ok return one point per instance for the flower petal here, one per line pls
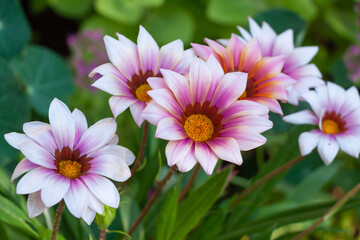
(328, 148)
(349, 144)
(33, 181)
(166, 99)
(41, 133)
(200, 80)
(23, 166)
(76, 198)
(54, 189)
(184, 64)
(80, 124)
(113, 85)
(227, 149)
(243, 108)
(153, 113)
(36, 154)
(177, 150)
(148, 51)
(88, 216)
(206, 157)
(188, 162)
(255, 122)
(136, 111)
(246, 137)
(123, 154)
(62, 124)
(119, 104)
(308, 141)
(35, 205)
(300, 56)
(302, 117)
(94, 203)
(284, 43)
(103, 189)
(171, 54)
(250, 56)
(170, 129)
(16, 139)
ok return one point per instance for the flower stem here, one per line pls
(140, 153)
(269, 176)
(329, 212)
(151, 201)
(102, 234)
(59, 212)
(189, 183)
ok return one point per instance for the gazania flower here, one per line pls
(297, 60)
(202, 118)
(265, 82)
(67, 160)
(131, 65)
(337, 115)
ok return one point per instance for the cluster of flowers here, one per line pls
(210, 101)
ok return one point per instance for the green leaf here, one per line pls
(14, 28)
(195, 206)
(14, 216)
(164, 25)
(307, 9)
(167, 216)
(150, 3)
(341, 22)
(339, 74)
(122, 11)
(45, 75)
(71, 8)
(3, 233)
(286, 217)
(14, 111)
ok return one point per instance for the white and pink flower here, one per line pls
(202, 118)
(67, 160)
(336, 112)
(296, 64)
(131, 65)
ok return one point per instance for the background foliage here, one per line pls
(34, 69)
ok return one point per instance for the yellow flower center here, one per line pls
(330, 127)
(70, 169)
(199, 127)
(244, 95)
(141, 92)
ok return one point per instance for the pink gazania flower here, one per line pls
(337, 115)
(297, 59)
(131, 65)
(265, 82)
(202, 118)
(67, 160)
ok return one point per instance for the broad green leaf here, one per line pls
(195, 206)
(167, 216)
(3, 233)
(122, 11)
(230, 12)
(14, 216)
(129, 211)
(314, 182)
(307, 9)
(150, 3)
(45, 75)
(14, 111)
(286, 217)
(71, 8)
(342, 23)
(339, 74)
(14, 28)
(165, 25)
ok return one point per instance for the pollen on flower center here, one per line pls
(70, 169)
(243, 95)
(330, 127)
(199, 127)
(141, 92)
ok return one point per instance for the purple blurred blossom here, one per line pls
(352, 62)
(87, 52)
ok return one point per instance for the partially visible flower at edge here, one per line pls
(336, 112)
(352, 62)
(296, 64)
(67, 160)
(131, 65)
(202, 118)
(87, 52)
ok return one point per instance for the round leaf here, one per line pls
(45, 75)
(14, 28)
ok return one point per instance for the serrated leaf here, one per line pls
(71, 8)
(195, 206)
(14, 28)
(167, 216)
(14, 111)
(45, 75)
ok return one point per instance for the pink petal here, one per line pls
(284, 43)
(304, 71)
(243, 108)
(255, 122)
(266, 39)
(300, 56)
(16, 139)
(200, 80)
(184, 64)
(336, 96)
(271, 103)
(177, 150)
(206, 157)
(122, 153)
(76, 198)
(349, 144)
(123, 57)
(127, 43)
(36, 154)
(179, 85)
(302, 117)
(136, 111)
(308, 141)
(235, 47)
(250, 56)
(62, 124)
(352, 100)
(23, 166)
(33, 181)
(54, 189)
(113, 85)
(170, 129)
(148, 51)
(202, 51)
(312, 98)
(88, 216)
(119, 104)
(103, 189)
(328, 148)
(227, 149)
(35, 205)
(156, 83)
(105, 69)
(171, 54)
(96, 136)
(230, 88)
(246, 137)
(41, 133)
(166, 99)
(80, 124)
(153, 113)
(186, 163)
(267, 68)
(225, 55)
(217, 73)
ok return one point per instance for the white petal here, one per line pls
(94, 203)
(36, 154)
(119, 104)
(170, 129)
(148, 51)
(16, 139)
(88, 216)
(35, 205)
(23, 166)
(284, 43)
(33, 181)
(76, 198)
(175, 151)
(302, 117)
(206, 157)
(308, 141)
(136, 111)
(80, 124)
(122, 153)
(349, 144)
(41, 133)
(328, 148)
(227, 149)
(54, 189)
(171, 54)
